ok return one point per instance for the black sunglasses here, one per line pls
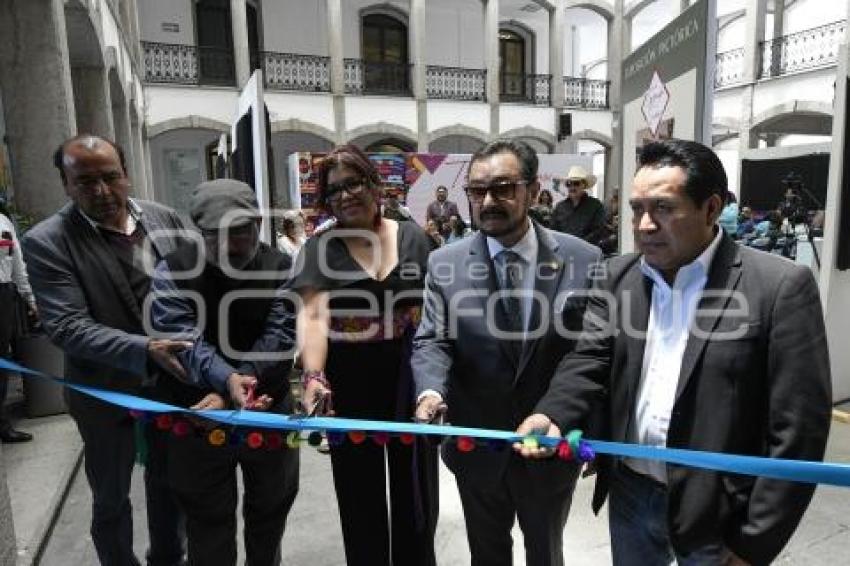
(501, 190)
(353, 186)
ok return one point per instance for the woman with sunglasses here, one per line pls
(361, 284)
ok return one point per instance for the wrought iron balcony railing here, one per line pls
(367, 77)
(729, 68)
(455, 83)
(290, 71)
(188, 64)
(585, 93)
(525, 88)
(170, 63)
(809, 49)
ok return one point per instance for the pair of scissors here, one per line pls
(321, 406)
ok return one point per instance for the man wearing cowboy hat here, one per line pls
(580, 214)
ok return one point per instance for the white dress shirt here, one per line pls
(526, 249)
(12, 266)
(670, 317)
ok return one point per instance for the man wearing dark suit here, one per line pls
(441, 209)
(89, 267)
(490, 375)
(702, 344)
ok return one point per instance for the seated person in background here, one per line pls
(221, 365)
(291, 240)
(434, 230)
(767, 232)
(729, 215)
(457, 229)
(746, 222)
(542, 211)
(394, 210)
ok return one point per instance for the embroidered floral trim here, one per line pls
(390, 326)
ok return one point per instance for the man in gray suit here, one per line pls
(714, 347)
(90, 266)
(498, 312)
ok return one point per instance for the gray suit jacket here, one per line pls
(481, 381)
(762, 390)
(86, 304)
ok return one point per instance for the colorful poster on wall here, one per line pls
(414, 177)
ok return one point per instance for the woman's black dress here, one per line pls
(368, 367)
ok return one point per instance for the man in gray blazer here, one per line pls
(90, 266)
(697, 343)
(499, 308)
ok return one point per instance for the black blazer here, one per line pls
(484, 385)
(765, 390)
(86, 304)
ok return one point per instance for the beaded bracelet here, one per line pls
(317, 375)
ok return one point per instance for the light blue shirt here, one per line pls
(526, 248)
(670, 317)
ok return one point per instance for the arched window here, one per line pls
(512, 69)
(384, 54)
(215, 41)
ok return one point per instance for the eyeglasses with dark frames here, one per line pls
(89, 184)
(500, 190)
(354, 186)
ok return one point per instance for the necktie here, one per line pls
(511, 281)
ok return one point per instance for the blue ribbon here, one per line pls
(776, 468)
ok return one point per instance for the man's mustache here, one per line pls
(493, 212)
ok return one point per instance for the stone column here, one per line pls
(121, 121)
(35, 79)
(778, 31)
(91, 101)
(778, 18)
(756, 11)
(491, 60)
(420, 69)
(241, 50)
(148, 159)
(556, 54)
(140, 177)
(626, 35)
(335, 50)
(617, 50)
(136, 44)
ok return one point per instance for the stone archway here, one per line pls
(456, 139)
(368, 135)
(541, 140)
(795, 117)
(599, 6)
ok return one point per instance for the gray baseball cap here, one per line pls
(216, 200)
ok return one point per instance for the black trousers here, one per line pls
(490, 512)
(109, 450)
(204, 479)
(378, 530)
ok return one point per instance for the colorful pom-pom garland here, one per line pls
(571, 447)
